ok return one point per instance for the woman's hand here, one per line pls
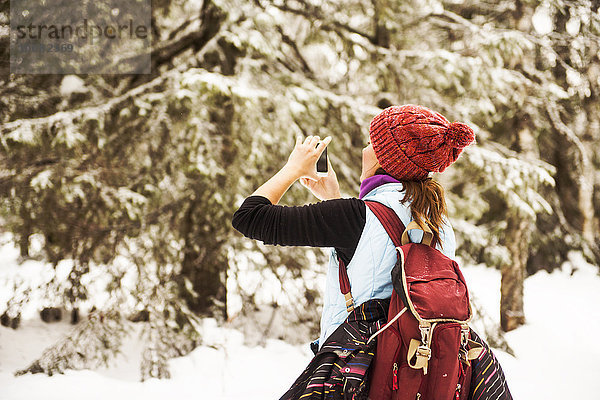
(302, 165)
(303, 159)
(324, 188)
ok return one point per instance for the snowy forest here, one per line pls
(123, 186)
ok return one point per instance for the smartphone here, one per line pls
(322, 164)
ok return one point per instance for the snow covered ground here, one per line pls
(557, 352)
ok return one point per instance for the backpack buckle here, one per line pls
(464, 335)
(425, 331)
(471, 351)
(463, 357)
(349, 302)
(424, 351)
(418, 355)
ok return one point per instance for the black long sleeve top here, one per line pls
(332, 223)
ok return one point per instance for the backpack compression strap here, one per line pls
(394, 228)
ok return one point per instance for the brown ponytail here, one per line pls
(427, 202)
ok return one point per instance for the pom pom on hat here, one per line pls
(410, 141)
(459, 135)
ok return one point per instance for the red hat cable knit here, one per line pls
(411, 141)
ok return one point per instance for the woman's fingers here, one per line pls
(308, 140)
(312, 142)
(322, 144)
(321, 147)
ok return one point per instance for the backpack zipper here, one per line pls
(396, 354)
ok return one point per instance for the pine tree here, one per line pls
(150, 168)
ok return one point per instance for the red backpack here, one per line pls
(424, 349)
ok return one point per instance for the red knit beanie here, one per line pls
(411, 141)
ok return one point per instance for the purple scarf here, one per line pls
(374, 181)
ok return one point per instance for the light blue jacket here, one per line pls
(370, 269)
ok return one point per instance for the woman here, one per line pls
(407, 144)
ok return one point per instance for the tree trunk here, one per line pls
(513, 274)
(204, 267)
(518, 227)
(207, 276)
(575, 174)
(204, 262)
(382, 35)
(574, 178)
(25, 232)
(24, 246)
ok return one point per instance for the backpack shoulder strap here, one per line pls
(391, 222)
(394, 228)
(389, 219)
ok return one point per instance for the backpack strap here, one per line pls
(390, 221)
(394, 228)
(345, 285)
(427, 233)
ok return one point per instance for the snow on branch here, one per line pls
(514, 178)
(21, 130)
(91, 344)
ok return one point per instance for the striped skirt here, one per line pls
(339, 369)
(487, 379)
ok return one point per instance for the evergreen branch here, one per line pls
(194, 36)
(109, 105)
(495, 337)
(312, 13)
(211, 19)
(290, 42)
(151, 218)
(567, 133)
(459, 22)
(182, 27)
(91, 344)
